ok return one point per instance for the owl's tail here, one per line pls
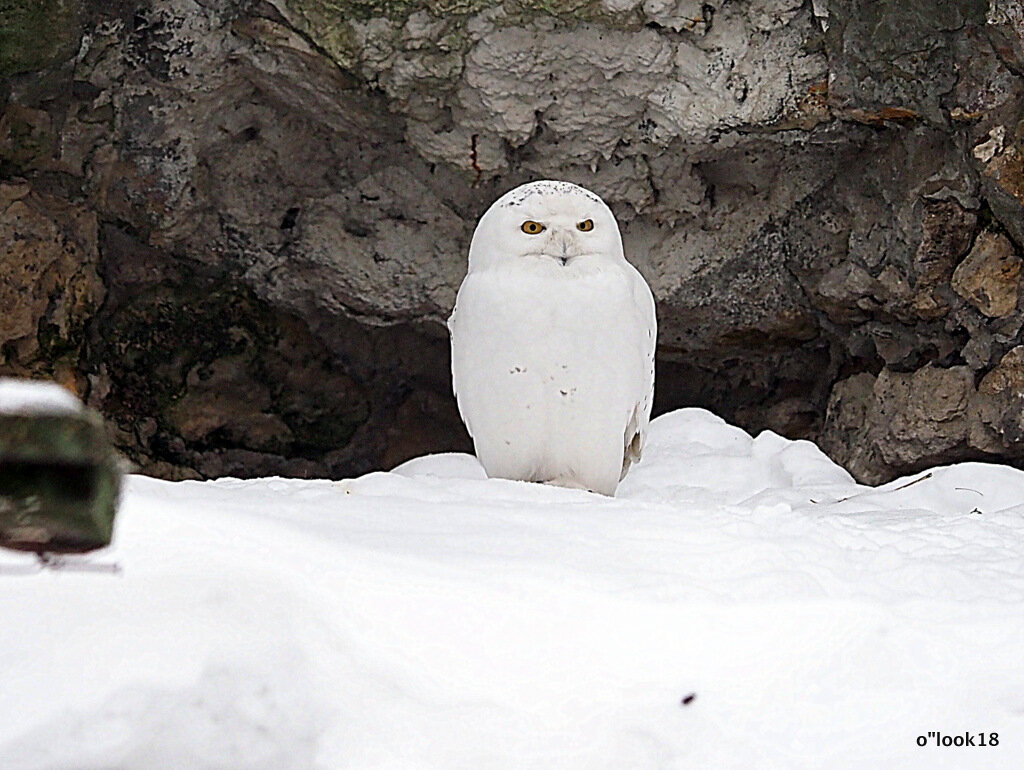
(633, 443)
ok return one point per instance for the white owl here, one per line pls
(553, 337)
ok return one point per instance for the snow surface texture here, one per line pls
(431, 618)
(35, 397)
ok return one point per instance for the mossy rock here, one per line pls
(329, 22)
(182, 347)
(35, 34)
(59, 482)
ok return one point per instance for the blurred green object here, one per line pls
(59, 482)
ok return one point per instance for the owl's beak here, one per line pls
(564, 248)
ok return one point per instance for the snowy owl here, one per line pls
(553, 337)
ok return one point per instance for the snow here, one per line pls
(432, 618)
(19, 396)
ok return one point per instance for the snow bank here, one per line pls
(35, 397)
(432, 618)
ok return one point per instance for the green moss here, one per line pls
(59, 482)
(339, 43)
(325, 430)
(55, 343)
(29, 141)
(171, 330)
(167, 331)
(56, 348)
(37, 33)
(329, 22)
(572, 12)
(583, 10)
(339, 11)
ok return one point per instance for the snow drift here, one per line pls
(432, 618)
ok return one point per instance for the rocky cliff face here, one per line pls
(236, 227)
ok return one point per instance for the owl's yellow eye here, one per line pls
(586, 225)
(532, 228)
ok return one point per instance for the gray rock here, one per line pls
(899, 421)
(267, 206)
(902, 422)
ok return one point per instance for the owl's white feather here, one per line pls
(553, 337)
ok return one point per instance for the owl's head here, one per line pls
(546, 220)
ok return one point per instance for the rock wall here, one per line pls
(236, 226)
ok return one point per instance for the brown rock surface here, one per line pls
(49, 288)
(1007, 377)
(989, 278)
(899, 421)
(1003, 178)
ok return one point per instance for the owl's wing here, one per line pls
(453, 324)
(647, 339)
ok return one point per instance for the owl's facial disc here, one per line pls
(546, 220)
(561, 236)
